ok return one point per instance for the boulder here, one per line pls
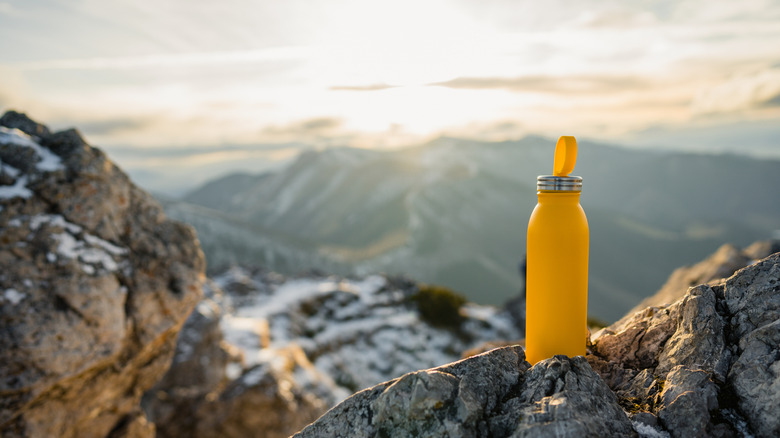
(706, 365)
(494, 394)
(95, 284)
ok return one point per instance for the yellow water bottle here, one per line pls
(557, 263)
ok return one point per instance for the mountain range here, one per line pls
(455, 212)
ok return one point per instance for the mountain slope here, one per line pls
(455, 212)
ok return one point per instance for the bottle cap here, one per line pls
(565, 155)
(563, 164)
(559, 183)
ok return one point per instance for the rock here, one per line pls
(687, 399)
(360, 331)
(197, 372)
(305, 344)
(265, 400)
(699, 339)
(95, 284)
(214, 390)
(494, 394)
(20, 121)
(707, 364)
(722, 264)
(752, 301)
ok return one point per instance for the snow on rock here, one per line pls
(47, 160)
(291, 348)
(359, 331)
(93, 254)
(95, 284)
(12, 296)
(16, 180)
(647, 431)
(17, 190)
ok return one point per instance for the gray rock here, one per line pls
(494, 394)
(706, 365)
(753, 301)
(686, 402)
(19, 157)
(64, 143)
(567, 399)
(95, 284)
(720, 265)
(20, 121)
(699, 340)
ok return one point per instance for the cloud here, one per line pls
(167, 60)
(372, 87)
(743, 92)
(112, 126)
(581, 84)
(616, 18)
(500, 130)
(7, 9)
(303, 130)
(756, 137)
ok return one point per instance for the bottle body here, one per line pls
(557, 277)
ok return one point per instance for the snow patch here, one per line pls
(106, 246)
(13, 296)
(647, 431)
(47, 160)
(18, 190)
(93, 253)
(358, 331)
(90, 257)
(9, 170)
(15, 222)
(254, 376)
(53, 220)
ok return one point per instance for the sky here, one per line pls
(179, 91)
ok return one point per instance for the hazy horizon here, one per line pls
(152, 171)
(256, 82)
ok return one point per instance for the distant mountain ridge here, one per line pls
(455, 212)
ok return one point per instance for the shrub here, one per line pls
(439, 305)
(595, 322)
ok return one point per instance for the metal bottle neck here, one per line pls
(551, 183)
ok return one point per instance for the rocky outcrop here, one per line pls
(495, 394)
(198, 398)
(95, 284)
(297, 346)
(706, 365)
(712, 270)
